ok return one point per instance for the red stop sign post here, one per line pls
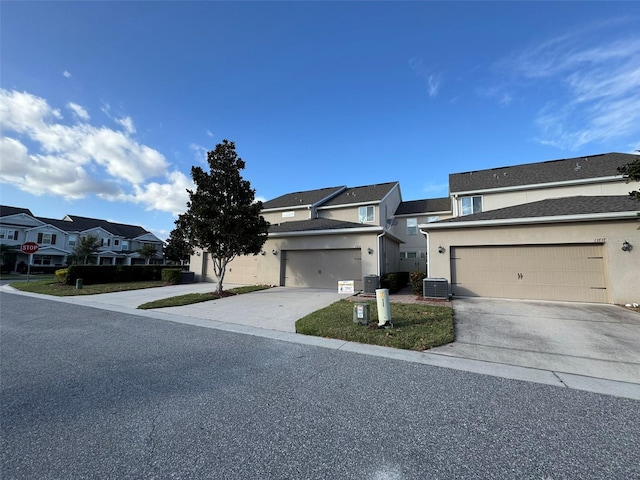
(29, 248)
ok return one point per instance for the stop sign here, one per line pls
(29, 247)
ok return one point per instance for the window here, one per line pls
(366, 214)
(73, 238)
(9, 234)
(288, 214)
(412, 226)
(116, 242)
(433, 219)
(471, 205)
(125, 244)
(47, 239)
(408, 255)
(42, 259)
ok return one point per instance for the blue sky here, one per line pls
(105, 106)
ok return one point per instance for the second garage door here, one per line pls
(321, 268)
(543, 272)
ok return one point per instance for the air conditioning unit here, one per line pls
(371, 283)
(435, 288)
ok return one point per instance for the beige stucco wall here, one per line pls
(276, 217)
(269, 265)
(623, 279)
(495, 200)
(349, 214)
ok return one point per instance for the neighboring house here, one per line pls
(408, 216)
(57, 238)
(550, 231)
(319, 237)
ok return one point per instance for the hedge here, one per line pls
(93, 274)
(171, 276)
(416, 282)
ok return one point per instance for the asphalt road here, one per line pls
(89, 393)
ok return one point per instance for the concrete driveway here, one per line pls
(592, 340)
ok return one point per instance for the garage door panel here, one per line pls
(545, 272)
(322, 268)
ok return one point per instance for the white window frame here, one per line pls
(364, 216)
(471, 207)
(434, 218)
(73, 238)
(412, 226)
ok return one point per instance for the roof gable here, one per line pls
(364, 194)
(565, 170)
(301, 199)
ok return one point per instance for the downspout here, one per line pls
(426, 234)
(378, 238)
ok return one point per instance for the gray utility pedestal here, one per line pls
(361, 313)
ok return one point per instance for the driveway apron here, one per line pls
(593, 340)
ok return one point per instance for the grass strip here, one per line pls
(50, 286)
(191, 298)
(415, 327)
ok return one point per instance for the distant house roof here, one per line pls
(6, 211)
(301, 199)
(578, 168)
(74, 223)
(429, 205)
(554, 207)
(317, 224)
(364, 194)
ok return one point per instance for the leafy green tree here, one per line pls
(85, 248)
(177, 249)
(8, 256)
(148, 252)
(631, 171)
(222, 215)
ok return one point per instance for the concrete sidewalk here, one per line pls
(272, 314)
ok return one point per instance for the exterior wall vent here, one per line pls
(435, 288)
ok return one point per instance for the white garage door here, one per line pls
(543, 272)
(321, 268)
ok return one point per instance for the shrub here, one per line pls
(394, 281)
(416, 282)
(171, 276)
(61, 275)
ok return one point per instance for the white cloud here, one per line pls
(591, 81)
(127, 123)
(78, 111)
(66, 74)
(74, 161)
(433, 80)
(199, 153)
(209, 133)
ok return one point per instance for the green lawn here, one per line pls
(415, 327)
(190, 298)
(48, 285)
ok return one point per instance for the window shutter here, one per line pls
(40, 238)
(53, 239)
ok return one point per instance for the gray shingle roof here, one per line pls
(6, 211)
(427, 205)
(578, 168)
(552, 207)
(314, 224)
(301, 199)
(80, 224)
(367, 193)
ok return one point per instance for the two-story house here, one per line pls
(319, 237)
(557, 230)
(119, 243)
